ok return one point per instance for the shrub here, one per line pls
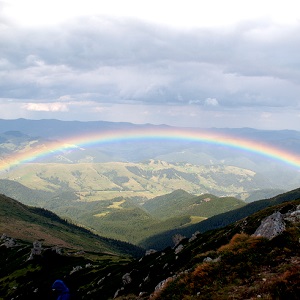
(241, 243)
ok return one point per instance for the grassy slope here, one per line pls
(122, 219)
(29, 224)
(128, 222)
(181, 203)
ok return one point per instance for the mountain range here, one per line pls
(138, 189)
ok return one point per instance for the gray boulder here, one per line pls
(271, 226)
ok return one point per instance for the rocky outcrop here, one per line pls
(271, 226)
(293, 216)
(150, 251)
(178, 249)
(7, 241)
(275, 224)
(126, 279)
(36, 250)
(177, 238)
(194, 236)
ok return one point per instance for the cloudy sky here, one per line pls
(187, 63)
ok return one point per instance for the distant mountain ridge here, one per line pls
(52, 128)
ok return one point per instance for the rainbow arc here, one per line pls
(167, 134)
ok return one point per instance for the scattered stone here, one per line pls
(57, 250)
(179, 249)
(118, 292)
(271, 226)
(9, 243)
(101, 280)
(177, 238)
(126, 279)
(217, 259)
(194, 236)
(150, 251)
(75, 269)
(207, 259)
(294, 216)
(3, 236)
(36, 250)
(162, 284)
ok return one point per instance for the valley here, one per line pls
(131, 190)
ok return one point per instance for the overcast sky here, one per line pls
(186, 63)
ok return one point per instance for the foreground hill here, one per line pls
(239, 261)
(30, 224)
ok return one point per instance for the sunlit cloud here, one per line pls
(53, 107)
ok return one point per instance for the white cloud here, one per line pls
(211, 102)
(49, 107)
(191, 13)
(64, 98)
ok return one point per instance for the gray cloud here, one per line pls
(117, 61)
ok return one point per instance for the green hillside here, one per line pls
(119, 219)
(30, 224)
(125, 219)
(181, 203)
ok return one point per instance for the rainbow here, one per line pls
(167, 134)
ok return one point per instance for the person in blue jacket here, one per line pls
(61, 289)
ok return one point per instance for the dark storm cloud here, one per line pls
(121, 61)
